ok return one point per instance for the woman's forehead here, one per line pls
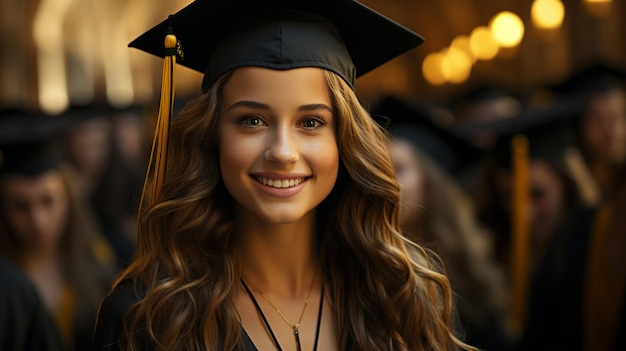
(266, 87)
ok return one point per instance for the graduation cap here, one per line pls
(343, 36)
(28, 142)
(418, 125)
(550, 127)
(550, 130)
(597, 77)
(216, 36)
(486, 102)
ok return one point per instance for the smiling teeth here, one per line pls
(280, 183)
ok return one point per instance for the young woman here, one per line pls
(276, 225)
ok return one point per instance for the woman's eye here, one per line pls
(313, 123)
(251, 122)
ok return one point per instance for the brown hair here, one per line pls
(186, 267)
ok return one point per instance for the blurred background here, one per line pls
(508, 133)
(67, 52)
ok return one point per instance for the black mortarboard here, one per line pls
(417, 124)
(343, 36)
(597, 77)
(28, 142)
(486, 101)
(549, 130)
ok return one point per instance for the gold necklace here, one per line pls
(294, 327)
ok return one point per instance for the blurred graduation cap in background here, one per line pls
(419, 124)
(29, 141)
(549, 130)
(599, 76)
(550, 134)
(485, 102)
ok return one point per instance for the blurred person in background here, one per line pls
(484, 103)
(45, 228)
(540, 187)
(105, 147)
(25, 324)
(603, 302)
(559, 181)
(438, 214)
(580, 303)
(601, 126)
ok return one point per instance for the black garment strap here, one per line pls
(319, 319)
(267, 324)
(258, 309)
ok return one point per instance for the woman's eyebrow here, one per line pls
(312, 107)
(262, 106)
(250, 104)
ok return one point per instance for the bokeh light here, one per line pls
(547, 14)
(599, 8)
(431, 69)
(462, 42)
(456, 65)
(483, 44)
(507, 28)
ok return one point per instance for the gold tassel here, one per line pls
(158, 155)
(520, 243)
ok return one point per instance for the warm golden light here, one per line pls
(483, 44)
(48, 36)
(431, 69)
(456, 65)
(507, 28)
(462, 42)
(599, 8)
(547, 14)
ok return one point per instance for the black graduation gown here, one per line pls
(110, 319)
(24, 323)
(555, 311)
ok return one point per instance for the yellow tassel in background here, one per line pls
(520, 243)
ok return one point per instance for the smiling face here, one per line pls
(278, 150)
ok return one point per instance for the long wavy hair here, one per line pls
(386, 293)
(447, 224)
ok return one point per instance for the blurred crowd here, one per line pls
(521, 195)
(69, 192)
(518, 193)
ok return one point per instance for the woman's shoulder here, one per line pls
(111, 315)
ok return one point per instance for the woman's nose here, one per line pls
(282, 146)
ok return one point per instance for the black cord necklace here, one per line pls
(295, 327)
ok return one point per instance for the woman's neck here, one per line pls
(279, 258)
